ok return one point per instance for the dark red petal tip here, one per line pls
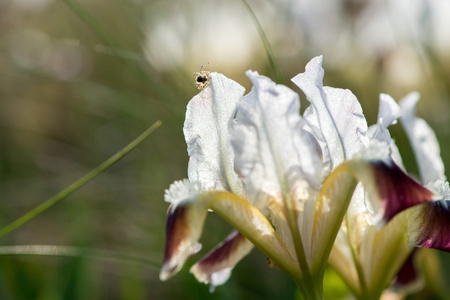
(222, 251)
(433, 225)
(397, 190)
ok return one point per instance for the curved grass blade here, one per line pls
(79, 183)
(273, 63)
(68, 251)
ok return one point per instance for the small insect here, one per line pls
(202, 78)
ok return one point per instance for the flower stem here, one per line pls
(312, 290)
(79, 183)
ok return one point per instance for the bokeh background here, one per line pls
(80, 79)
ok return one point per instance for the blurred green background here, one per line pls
(80, 80)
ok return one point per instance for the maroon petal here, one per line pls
(215, 267)
(429, 225)
(185, 221)
(397, 190)
(181, 238)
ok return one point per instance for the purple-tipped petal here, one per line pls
(398, 191)
(215, 267)
(429, 226)
(181, 240)
(186, 219)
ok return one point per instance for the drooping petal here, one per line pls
(381, 252)
(398, 191)
(423, 141)
(207, 131)
(429, 225)
(185, 222)
(216, 266)
(387, 185)
(335, 117)
(183, 227)
(273, 154)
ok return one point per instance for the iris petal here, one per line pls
(429, 226)
(273, 153)
(185, 223)
(423, 141)
(207, 131)
(215, 267)
(398, 191)
(335, 117)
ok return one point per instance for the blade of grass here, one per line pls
(68, 251)
(273, 63)
(79, 183)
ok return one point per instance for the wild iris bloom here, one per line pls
(282, 180)
(378, 236)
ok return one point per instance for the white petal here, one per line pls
(388, 113)
(423, 140)
(335, 116)
(273, 154)
(207, 131)
(219, 278)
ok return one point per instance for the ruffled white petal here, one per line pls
(335, 117)
(388, 113)
(207, 131)
(274, 155)
(423, 141)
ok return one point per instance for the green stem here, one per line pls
(79, 183)
(269, 52)
(311, 291)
